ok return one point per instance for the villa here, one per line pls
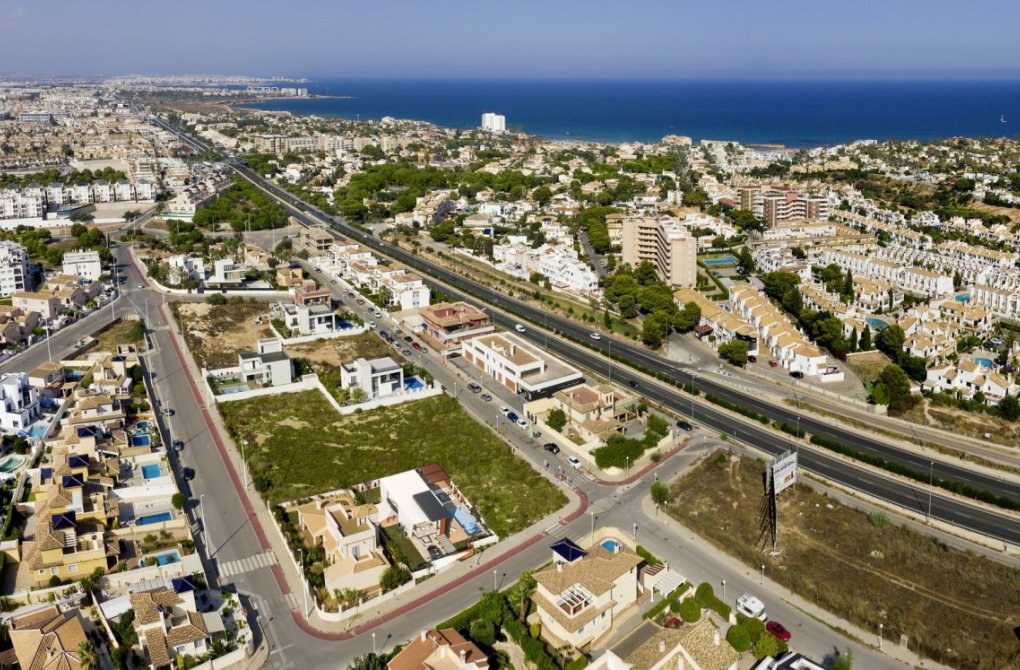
(349, 535)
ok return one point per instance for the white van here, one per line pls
(751, 606)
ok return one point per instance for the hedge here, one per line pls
(649, 557)
(705, 595)
(666, 601)
(739, 638)
(749, 413)
(690, 610)
(961, 488)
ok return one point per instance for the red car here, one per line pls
(778, 630)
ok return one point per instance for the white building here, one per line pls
(20, 402)
(226, 271)
(267, 365)
(494, 123)
(519, 367)
(84, 264)
(184, 267)
(664, 242)
(377, 376)
(13, 268)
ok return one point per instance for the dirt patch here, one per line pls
(867, 365)
(122, 332)
(216, 333)
(955, 607)
(332, 352)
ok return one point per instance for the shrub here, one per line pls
(394, 577)
(705, 595)
(578, 663)
(216, 299)
(738, 638)
(649, 557)
(619, 452)
(878, 519)
(768, 645)
(755, 627)
(690, 610)
(483, 632)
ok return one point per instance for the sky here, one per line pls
(655, 39)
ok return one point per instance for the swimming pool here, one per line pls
(151, 471)
(140, 440)
(610, 545)
(232, 388)
(981, 360)
(143, 425)
(38, 430)
(11, 464)
(149, 519)
(720, 261)
(963, 297)
(167, 557)
(413, 384)
(876, 323)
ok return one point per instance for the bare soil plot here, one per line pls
(216, 333)
(332, 352)
(955, 607)
(867, 365)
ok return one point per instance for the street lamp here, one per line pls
(49, 353)
(694, 377)
(635, 533)
(880, 636)
(373, 643)
(762, 581)
(592, 514)
(495, 583)
(724, 590)
(304, 584)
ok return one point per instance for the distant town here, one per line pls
(300, 391)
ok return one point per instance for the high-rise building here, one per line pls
(13, 268)
(667, 244)
(494, 123)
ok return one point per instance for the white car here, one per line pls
(371, 325)
(504, 409)
(520, 329)
(595, 336)
(574, 461)
(751, 606)
(141, 286)
(522, 424)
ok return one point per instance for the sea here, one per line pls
(789, 113)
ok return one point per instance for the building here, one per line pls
(84, 264)
(316, 240)
(446, 326)
(13, 268)
(19, 402)
(349, 536)
(652, 647)
(666, 244)
(377, 377)
(307, 293)
(493, 123)
(184, 268)
(436, 649)
(310, 320)
(169, 625)
(226, 272)
(268, 365)
(579, 598)
(519, 367)
(48, 638)
(48, 305)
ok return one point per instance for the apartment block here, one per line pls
(519, 367)
(13, 268)
(665, 243)
(84, 264)
(446, 326)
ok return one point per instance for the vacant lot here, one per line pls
(332, 352)
(121, 332)
(216, 333)
(297, 446)
(955, 607)
(868, 365)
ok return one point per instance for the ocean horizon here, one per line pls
(790, 113)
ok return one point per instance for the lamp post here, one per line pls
(724, 590)
(49, 353)
(609, 342)
(592, 514)
(244, 461)
(634, 536)
(762, 581)
(627, 461)
(931, 483)
(694, 377)
(880, 636)
(304, 587)
(495, 583)
(373, 643)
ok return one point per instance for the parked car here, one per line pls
(188, 474)
(361, 301)
(633, 384)
(522, 424)
(520, 329)
(773, 363)
(424, 349)
(751, 606)
(141, 286)
(416, 346)
(574, 461)
(474, 387)
(434, 552)
(179, 445)
(796, 374)
(486, 397)
(551, 448)
(512, 417)
(408, 339)
(371, 325)
(595, 336)
(383, 334)
(684, 425)
(778, 630)
(407, 352)
(505, 410)
(395, 344)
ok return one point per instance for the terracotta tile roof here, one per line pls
(419, 650)
(596, 572)
(155, 642)
(51, 643)
(192, 631)
(146, 604)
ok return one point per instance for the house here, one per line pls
(594, 413)
(227, 273)
(47, 304)
(289, 275)
(310, 320)
(578, 600)
(169, 625)
(652, 647)
(348, 534)
(84, 264)
(308, 293)
(967, 377)
(436, 649)
(518, 366)
(183, 268)
(446, 326)
(378, 377)
(267, 365)
(19, 402)
(48, 638)
(408, 498)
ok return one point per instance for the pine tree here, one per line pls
(853, 339)
(865, 343)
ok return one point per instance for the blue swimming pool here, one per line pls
(610, 545)
(981, 360)
(153, 518)
(140, 440)
(38, 430)
(413, 384)
(151, 471)
(143, 425)
(167, 557)
(876, 323)
(720, 261)
(232, 388)
(75, 375)
(963, 297)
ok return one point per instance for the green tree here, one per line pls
(542, 195)
(645, 273)
(865, 343)
(556, 419)
(393, 577)
(628, 306)
(653, 329)
(739, 638)
(690, 610)
(520, 593)
(777, 283)
(848, 287)
(793, 301)
(734, 352)
(768, 645)
(853, 339)
(347, 597)
(483, 632)
(368, 662)
(843, 661)
(894, 386)
(687, 318)
(179, 500)
(890, 341)
(1009, 408)
(88, 656)
(660, 493)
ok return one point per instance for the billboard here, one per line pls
(784, 471)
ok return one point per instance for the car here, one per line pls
(778, 630)
(474, 387)
(395, 344)
(551, 448)
(408, 339)
(684, 425)
(385, 335)
(371, 325)
(486, 397)
(424, 349)
(332, 281)
(522, 424)
(595, 336)
(376, 313)
(188, 474)
(797, 374)
(361, 301)
(574, 461)
(434, 552)
(633, 384)
(179, 445)
(512, 417)
(141, 286)
(520, 329)
(407, 352)
(416, 346)
(504, 409)
(995, 341)
(350, 294)
(751, 606)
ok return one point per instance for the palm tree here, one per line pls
(88, 657)
(348, 597)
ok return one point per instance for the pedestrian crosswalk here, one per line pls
(247, 564)
(291, 601)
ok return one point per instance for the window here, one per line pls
(55, 570)
(72, 568)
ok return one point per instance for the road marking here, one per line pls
(291, 601)
(247, 564)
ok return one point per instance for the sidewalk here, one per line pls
(776, 590)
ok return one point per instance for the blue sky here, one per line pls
(741, 39)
